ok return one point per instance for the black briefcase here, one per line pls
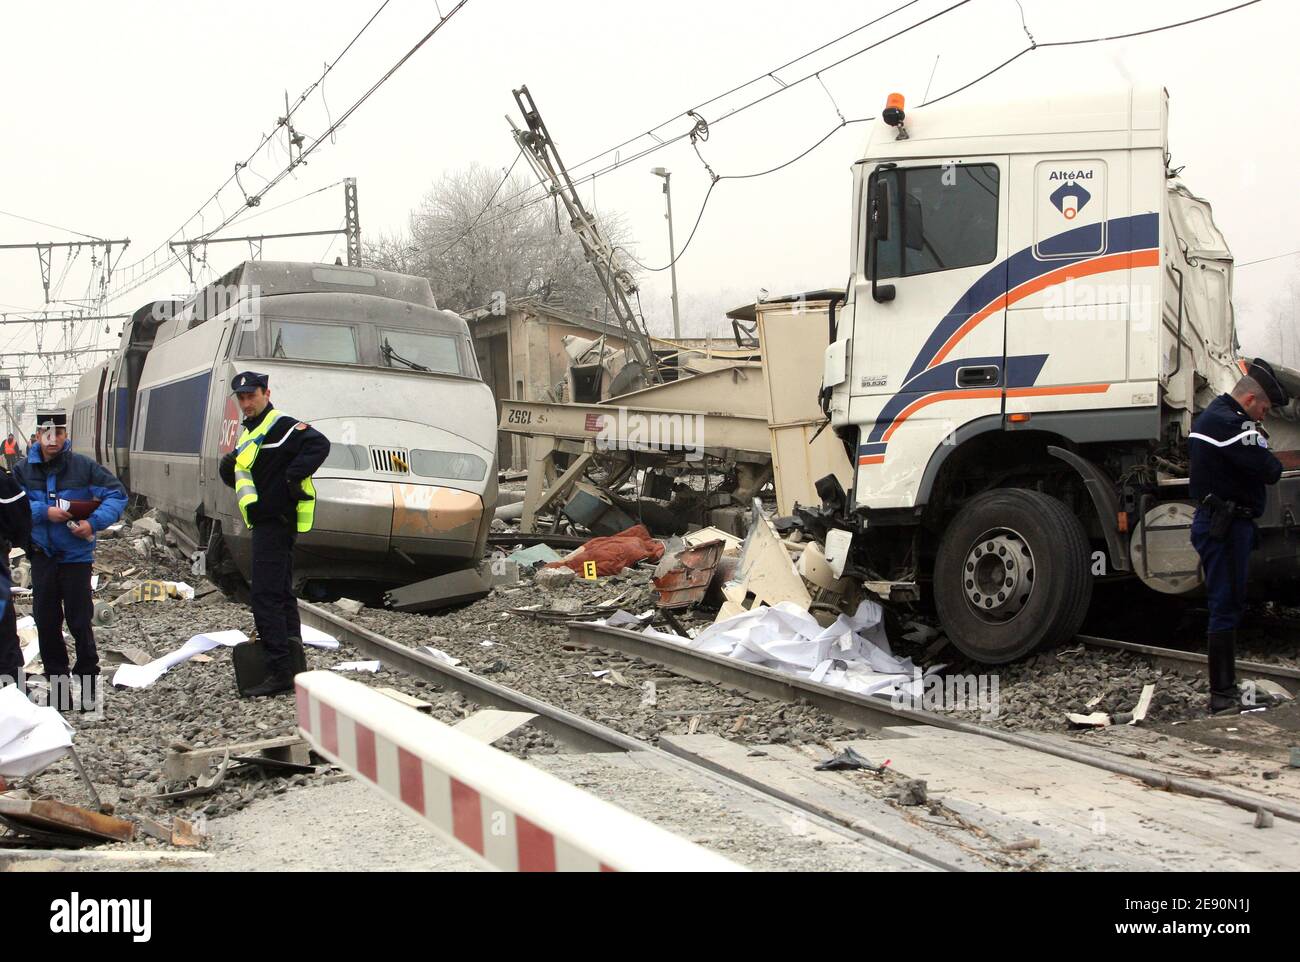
(250, 663)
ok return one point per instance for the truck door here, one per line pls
(1078, 261)
(928, 354)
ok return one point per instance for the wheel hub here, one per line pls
(998, 576)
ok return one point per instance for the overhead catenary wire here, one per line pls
(164, 251)
(660, 144)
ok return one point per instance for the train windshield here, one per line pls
(420, 352)
(361, 340)
(299, 341)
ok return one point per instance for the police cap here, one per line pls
(247, 381)
(51, 418)
(1261, 372)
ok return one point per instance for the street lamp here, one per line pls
(672, 252)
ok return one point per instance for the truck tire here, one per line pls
(1012, 573)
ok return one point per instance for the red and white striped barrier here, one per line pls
(489, 804)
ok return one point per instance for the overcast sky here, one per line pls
(119, 119)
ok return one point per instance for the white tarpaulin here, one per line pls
(142, 676)
(853, 653)
(31, 736)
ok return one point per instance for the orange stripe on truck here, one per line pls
(1098, 265)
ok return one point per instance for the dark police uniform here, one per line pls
(62, 562)
(270, 470)
(1230, 467)
(15, 531)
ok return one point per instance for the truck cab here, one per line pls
(1037, 309)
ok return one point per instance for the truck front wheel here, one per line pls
(1011, 574)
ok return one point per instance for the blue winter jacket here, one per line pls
(74, 477)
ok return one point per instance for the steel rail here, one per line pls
(581, 733)
(1288, 678)
(856, 709)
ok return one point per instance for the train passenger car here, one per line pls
(367, 358)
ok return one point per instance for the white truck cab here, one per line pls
(1037, 310)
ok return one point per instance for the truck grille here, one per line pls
(390, 460)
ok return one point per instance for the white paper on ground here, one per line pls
(318, 639)
(31, 737)
(94, 582)
(853, 653)
(28, 640)
(370, 666)
(442, 656)
(142, 676)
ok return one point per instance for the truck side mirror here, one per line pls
(880, 230)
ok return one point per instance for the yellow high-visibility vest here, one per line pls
(251, 442)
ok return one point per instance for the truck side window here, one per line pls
(942, 218)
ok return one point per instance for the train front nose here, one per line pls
(424, 521)
(382, 507)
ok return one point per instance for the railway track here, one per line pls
(877, 712)
(586, 735)
(1288, 678)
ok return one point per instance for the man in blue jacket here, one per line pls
(1230, 467)
(63, 552)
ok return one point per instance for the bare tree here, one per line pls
(468, 236)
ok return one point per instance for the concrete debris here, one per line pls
(537, 554)
(1263, 818)
(553, 578)
(500, 571)
(911, 791)
(1021, 845)
(149, 528)
(350, 605)
(1098, 719)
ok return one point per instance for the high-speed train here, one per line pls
(363, 355)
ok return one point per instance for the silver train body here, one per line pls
(367, 358)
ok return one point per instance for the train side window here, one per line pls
(245, 341)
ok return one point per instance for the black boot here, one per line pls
(1224, 696)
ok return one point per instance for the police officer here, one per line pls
(270, 470)
(1230, 466)
(15, 531)
(63, 552)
